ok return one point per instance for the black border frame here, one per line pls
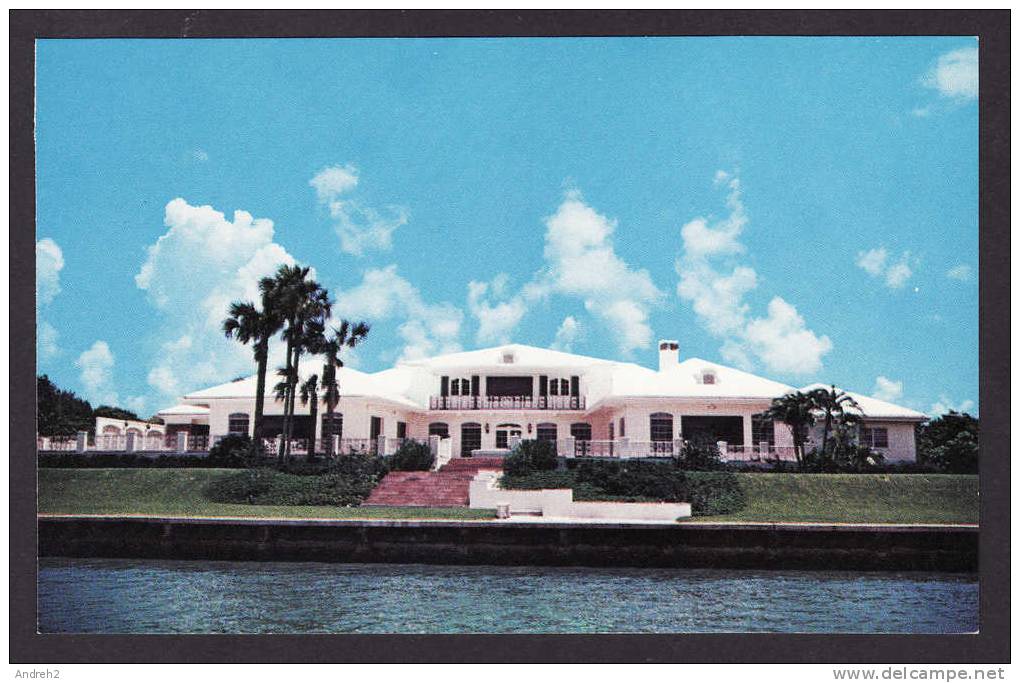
(990, 645)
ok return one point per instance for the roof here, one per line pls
(686, 380)
(525, 357)
(873, 407)
(352, 383)
(184, 409)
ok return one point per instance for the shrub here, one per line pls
(530, 455)
(233, 450)
(412, 456)
(635, 478)
(715, 493)
(699, 453)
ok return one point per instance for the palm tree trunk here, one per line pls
(825, 433)
(330, 380)
(314, 410)
(293, 396)
(283, 444)
(261, 358)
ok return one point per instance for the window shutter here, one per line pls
(543, 385)
(444, 386)
(474, 385)
(575, 386)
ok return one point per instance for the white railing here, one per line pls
(756, 453)
(56, 443)
(507, 403)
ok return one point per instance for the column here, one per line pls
(182, 442)
(83, 442)
(748, 438)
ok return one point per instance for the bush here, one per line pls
(715, 493)
(699, 454)
(635, 479)
(412, 456)
(233, 450)
(347, 482)
(530, 455)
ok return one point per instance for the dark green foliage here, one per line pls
(412, 456)
(699, 453)
(347, 482)
(530, 455)
(115, 413)
(950, 442)
(709, 493)
(61, 413)
(233, 450)
(70, 460)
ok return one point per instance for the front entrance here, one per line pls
(470, 438)
(714, 428)
(504, 432)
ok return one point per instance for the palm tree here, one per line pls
(310, 392)
(834, 403)
(302, 304)
(247, 324)
(346, 335)
(797, 410)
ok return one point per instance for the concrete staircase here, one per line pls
(447, 487)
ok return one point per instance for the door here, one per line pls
(504, 432)
(470, 438)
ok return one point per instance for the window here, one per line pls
(581, 431)
(470, 438)
(708, 377)
(504, 432)
(661, 426)
(440, 429)
(875, 437)
(333, 425)
(401, 430)
(237, 423)
(460, 387)
(623, 428)
(554, 387)
(546, 432)
(507, 357)
(762, 430)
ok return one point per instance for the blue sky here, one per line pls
(803, 208)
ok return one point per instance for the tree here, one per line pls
(115, 413)
(797, 410)
(249, 325)
(60, 412)
(950, 442)
(310, 394)
(346, 336)
(303, 305)
(834, 404)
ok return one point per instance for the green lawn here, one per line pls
(178, 492)
(862, 498)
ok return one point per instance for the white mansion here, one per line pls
(486, 400)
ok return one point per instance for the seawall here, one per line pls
(753, 546)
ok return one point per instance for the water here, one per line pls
(158, 596)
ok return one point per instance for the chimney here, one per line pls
(669, 354)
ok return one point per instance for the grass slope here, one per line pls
(862, 498)
(178, 492)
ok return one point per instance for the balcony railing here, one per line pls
(507, 403)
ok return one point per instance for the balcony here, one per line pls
(507, 403)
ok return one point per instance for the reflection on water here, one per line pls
(158, 596)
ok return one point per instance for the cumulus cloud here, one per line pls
(875, 262)
(136, 404)
(945, 404)
(568, 332)
(383, 294)
(715, 284)
(96, 366)
(47, 344)
(955, 74)
(961, 272)
(360, 227)
(191, 274)
(496, 321)
(49, 261)
(887, 389)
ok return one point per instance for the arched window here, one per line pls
(237, 423)
(440, 429)
(504, 432)
(545, 432)
(333, 425)
(470, 438)
(661, 426)
(111, 429)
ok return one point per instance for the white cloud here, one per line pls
(876, 263)
(47, 344)
(961, 272)
(873, 260)
(96, 365)
(569, 332)
(496, 321)
(944, 405)
(581, 261)
(332, 181)
(200, 155)
(191, 274)
(955, 74)
(383, 294)
(360, 228)
(136, 404)
(716, 292)
(887, 389)
(49, 261)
